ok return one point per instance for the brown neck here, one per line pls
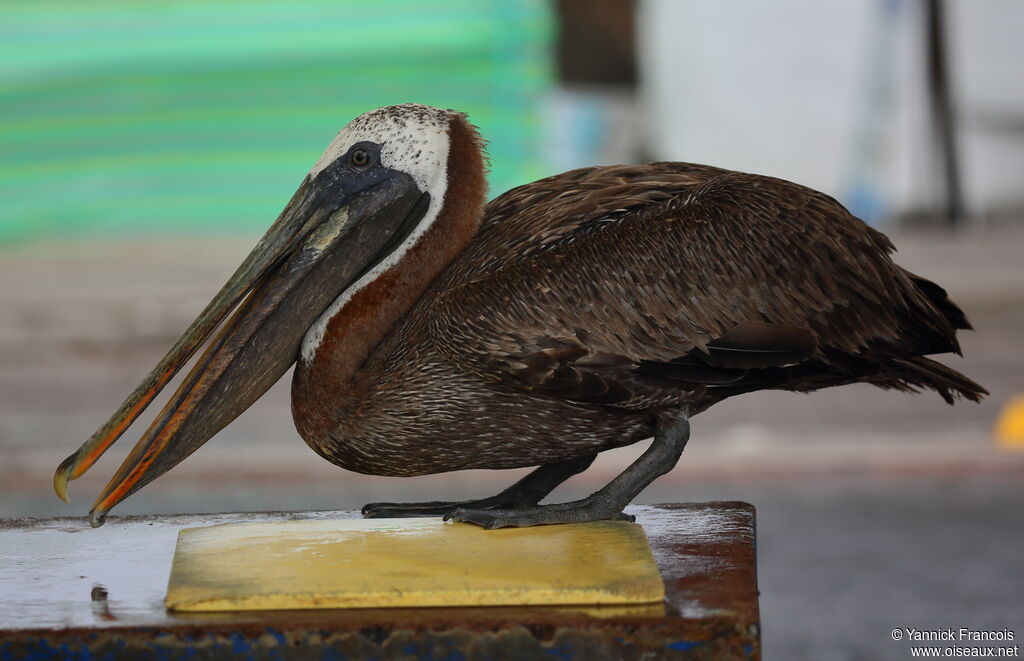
(366, 318)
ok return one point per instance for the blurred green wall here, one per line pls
(167, 117)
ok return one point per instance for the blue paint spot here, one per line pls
(276, 653)
(684, 645)
(562, 652)
(66, 653)
(239, 645)
(41, 651)
(748, 649)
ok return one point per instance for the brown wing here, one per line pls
(644, 286)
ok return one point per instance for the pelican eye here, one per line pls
(360, 157)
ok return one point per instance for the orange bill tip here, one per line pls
(61, 477)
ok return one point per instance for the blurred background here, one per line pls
(145, 146)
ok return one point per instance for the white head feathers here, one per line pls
(414, 139)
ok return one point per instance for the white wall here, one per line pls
(832, 95)
(988, 37)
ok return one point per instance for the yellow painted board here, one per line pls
(379, 563)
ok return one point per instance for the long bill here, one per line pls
(326, 236)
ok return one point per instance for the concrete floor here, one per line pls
(876, 510)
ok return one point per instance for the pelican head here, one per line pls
(378, 184)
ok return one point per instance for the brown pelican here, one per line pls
(582, 312)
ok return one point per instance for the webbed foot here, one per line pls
(526, 492)
(575, 512)
(607, 503)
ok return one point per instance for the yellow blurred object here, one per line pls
(377, 563)
(1009, 431)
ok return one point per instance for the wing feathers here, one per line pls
(638, 286)
(755, 344)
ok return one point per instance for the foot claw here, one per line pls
(486, 519)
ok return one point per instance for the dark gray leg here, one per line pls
(670, 438)
(528, 491)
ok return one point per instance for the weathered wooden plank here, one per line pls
(71, 590)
